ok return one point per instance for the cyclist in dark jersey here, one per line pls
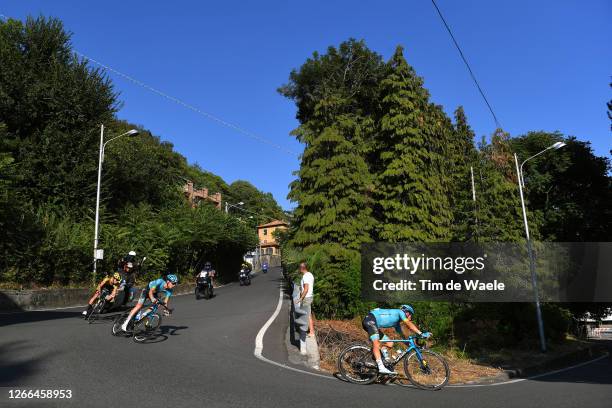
(384, 318)
(152, 292)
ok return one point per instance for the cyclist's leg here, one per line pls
(90, 303)
(141, 300)
(370, 326)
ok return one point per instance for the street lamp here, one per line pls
(534, 281)
(132, 132)
(227, 205)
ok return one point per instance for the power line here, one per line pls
(467, 64)
(189, 106)
(178, 101)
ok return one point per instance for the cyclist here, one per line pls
(109, 282)
(152, 292)
(383, 318)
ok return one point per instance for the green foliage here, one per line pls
(51, 107)
(411, 196)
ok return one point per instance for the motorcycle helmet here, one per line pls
(207, 266)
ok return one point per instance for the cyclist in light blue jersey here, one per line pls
(152, 292)
(385, 318)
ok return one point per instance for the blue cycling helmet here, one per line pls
(172, 278)
(407, 308)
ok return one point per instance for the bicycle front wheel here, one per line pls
(145, 327)
(356, 364)
(430, 372)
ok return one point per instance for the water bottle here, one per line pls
(138, 315)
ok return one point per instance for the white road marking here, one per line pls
(259, 342)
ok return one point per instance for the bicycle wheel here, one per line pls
(429, 373)
(144, 328)
(356, 364)
(95, 311)
(116, 329)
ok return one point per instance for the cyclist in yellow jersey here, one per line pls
(109, 282)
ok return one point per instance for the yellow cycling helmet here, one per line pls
(117, 276)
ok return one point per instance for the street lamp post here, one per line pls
(228, 205)
(534, 281)
(103, 144)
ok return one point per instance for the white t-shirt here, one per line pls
(309, 279)
(203, 274)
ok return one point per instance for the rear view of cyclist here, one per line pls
(109, 282)
(384, 318)
(152, 292)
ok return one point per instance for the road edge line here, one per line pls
(533, 377)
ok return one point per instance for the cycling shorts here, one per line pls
(369, 324)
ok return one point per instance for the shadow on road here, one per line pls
(172, 330)
(28, 317)
(13, 369)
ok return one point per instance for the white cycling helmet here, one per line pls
(133, 253)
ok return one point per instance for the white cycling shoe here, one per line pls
(124, 326)
(384, 371)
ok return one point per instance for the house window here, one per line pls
(265, 231)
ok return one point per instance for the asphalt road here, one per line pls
(205, 358)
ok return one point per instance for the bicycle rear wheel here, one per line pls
(356, 364)
(431, 372)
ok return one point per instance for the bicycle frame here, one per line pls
(410, 341)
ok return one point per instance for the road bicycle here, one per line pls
(423, 368)
(99, 306)
(143, 326)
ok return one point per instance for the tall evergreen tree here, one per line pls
(499, 207)
(464, 159)
(410, 198)
(333, 181)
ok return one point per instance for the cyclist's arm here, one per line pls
(412, 327)
(151, 293)
(102, 284)
(115, 289)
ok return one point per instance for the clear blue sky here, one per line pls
(545, 65)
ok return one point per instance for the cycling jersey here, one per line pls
(389, 317)
(158, 288)
(106, 284)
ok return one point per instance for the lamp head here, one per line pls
(558, 145)
(132, 132)
(241, 203)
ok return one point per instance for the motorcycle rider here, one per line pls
(246, 269)
(127, 267)
(109, 282)
(209, 271)
(264, 267)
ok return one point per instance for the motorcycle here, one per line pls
(244, 278)
(204, 288)
(264, 268)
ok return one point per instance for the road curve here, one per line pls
(205, 358)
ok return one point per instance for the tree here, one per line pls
(464, 160)
(51, 129)
(412, 204)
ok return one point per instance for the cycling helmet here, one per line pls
(407, 309)
(132, 253)
(117, 276)
(172, 278)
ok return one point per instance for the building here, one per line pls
(267, 242)
(195, 196)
